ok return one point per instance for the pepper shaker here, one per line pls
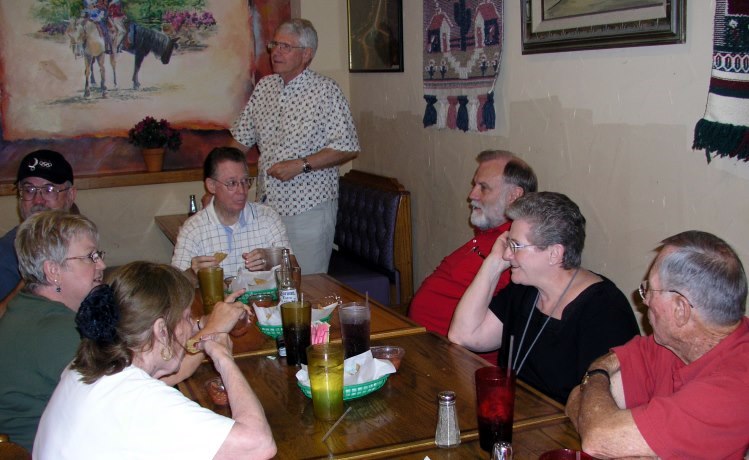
(448, 432)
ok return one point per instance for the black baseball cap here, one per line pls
(46, 164)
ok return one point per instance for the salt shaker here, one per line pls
(502, 451)
(448, 432)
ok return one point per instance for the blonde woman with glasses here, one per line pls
(60, 262)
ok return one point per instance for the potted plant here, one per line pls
(153, 137)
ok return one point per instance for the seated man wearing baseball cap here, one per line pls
(44, 182)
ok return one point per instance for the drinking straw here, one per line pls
(509, 359)
(335, 424)
(366, 299)
(302, 301)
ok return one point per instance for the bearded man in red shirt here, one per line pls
(500, 179)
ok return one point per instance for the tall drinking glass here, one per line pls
(495, 404)
(325, 367)
(211, 282)
(355, 326)
(296, 318)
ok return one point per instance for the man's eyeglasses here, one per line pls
(515, 246)
(49, 192)
(94, 257)
(644, 289)
(282, 47)
(231, 185)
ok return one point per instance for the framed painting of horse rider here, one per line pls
(99, 66)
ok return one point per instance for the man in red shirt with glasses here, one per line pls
(682, 391)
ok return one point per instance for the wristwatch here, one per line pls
(590, 373)
(306, 167)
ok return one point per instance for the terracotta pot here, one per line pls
(154, 159)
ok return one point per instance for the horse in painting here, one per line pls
(87, 41)
(144, 41)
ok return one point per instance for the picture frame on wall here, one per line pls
(550, 26)
(375, 35)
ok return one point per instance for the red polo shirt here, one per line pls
(435, 301)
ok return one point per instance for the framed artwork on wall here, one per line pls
(550, 26)
(375, 36)
(194, 66)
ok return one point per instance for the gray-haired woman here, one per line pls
(59, 260)
(110, 402)
(562, 316)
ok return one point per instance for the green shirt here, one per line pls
(38, 340)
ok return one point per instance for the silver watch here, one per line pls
(306, 167)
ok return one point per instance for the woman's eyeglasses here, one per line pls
(515, 246)
(94, 257)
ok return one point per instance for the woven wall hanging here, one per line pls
(462, 51)
(724, 129)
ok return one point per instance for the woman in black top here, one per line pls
(560, 316)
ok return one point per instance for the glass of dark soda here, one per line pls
(495, 404)
(355, 325)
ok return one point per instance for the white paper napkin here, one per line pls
(254, 281)
(357, 369)
(268, 316)
(319, 313)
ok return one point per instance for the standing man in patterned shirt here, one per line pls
(302, 125)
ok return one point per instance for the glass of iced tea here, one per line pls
(325, 367)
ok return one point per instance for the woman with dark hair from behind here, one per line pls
(110, 402)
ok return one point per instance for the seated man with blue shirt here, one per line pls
(44, 182)
(229, 224)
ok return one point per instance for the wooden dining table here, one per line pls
(399, 419)
(385, 322)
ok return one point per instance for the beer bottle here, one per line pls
(286, 288)
(193, 206)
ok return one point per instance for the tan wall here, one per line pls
(124, 216)
(611, 128)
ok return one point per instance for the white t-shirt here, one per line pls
(127, 416)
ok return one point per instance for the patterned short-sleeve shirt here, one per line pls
(293, 121)
(203, 234)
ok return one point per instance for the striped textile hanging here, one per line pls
(724, 129)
